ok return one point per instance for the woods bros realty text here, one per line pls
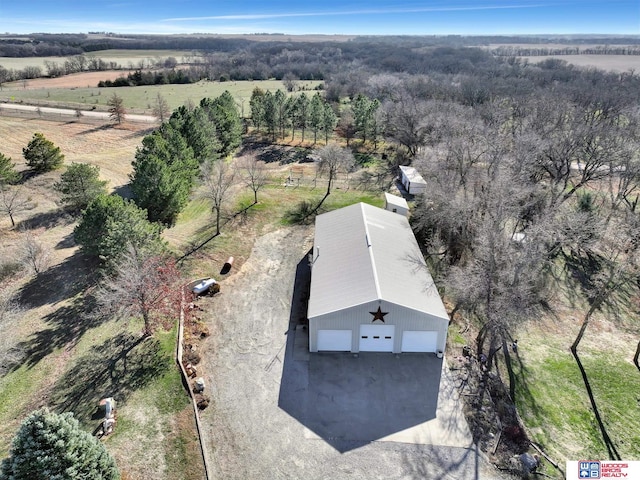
(602, 469)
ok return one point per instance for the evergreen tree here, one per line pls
(80, 185)
(51, 446)
(199, 132)
(280, 103)
(316, 115)
(110, 223)
(329, 121)
(301, 113)
(42, 155)
(223, 112)
(364, 113)
(8, 172)
(290, 108)
(257, 107)
(270, 116)
(163, 174)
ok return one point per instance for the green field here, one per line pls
(141, 99)
(553, 402)
(126, 58)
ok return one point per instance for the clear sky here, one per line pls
(375, 17)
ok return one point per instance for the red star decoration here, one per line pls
(378, 315)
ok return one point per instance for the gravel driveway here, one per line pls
(250, 433)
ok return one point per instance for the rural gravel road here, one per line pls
(249, 434)
(8, 107)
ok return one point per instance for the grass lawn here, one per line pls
(196, 224)
(552, 399)
(141, 99)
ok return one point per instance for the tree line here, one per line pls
(526, 51)
(43, 44)
(155, 77)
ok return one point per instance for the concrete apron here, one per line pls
(449, 427)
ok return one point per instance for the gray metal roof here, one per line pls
(364, 253)
(412, 174)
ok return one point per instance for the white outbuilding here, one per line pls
(396, 204)
(412, 180)
(370, 287)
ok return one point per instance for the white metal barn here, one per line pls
(412, 180)
(370, 288)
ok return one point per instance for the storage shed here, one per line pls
(396, 204)
(412, 180)
(370, 287)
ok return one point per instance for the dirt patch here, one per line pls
(75, 80)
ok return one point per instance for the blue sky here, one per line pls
(408, 17)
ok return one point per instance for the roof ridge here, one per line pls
(376, 281)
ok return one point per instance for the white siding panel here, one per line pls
(419, 341)
(334, 340)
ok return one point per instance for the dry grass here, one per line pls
(111, 148)
(76, 80)
(124, 58)
(614, 63)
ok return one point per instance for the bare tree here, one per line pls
(142, 285)
(290, 82)
(10, 314)
(35, 255)
(331, 160)
(117, 111)
(217, 178)
(254, 175)
(161, 108)
(617, 265)
(13, 200)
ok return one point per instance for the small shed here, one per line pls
(412, 180)
(395, 204)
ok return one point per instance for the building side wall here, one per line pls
(417, 188)
(414, 188)
(403, 318)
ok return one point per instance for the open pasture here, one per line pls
(125, 58)
(109, 147)
(614, 63)
(139, 99)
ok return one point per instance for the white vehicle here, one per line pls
(208, 284)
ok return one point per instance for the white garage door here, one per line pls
(376, 338)
(334, 340)
(419, 341)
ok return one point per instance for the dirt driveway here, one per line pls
(262, 422)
